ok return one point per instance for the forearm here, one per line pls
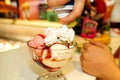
(78, 7)
(114, 74)
(53, 3)
(76, 12)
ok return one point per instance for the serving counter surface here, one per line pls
(18, 65)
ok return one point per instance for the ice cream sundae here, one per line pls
(53, 49)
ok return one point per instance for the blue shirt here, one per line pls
(70, 3)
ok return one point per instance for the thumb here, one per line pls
(97, 44)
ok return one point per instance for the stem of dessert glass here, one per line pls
(57, 75)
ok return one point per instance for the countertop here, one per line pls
(24, 29)
(17, 65)
(35, 23)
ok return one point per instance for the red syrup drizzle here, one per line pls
(39, 61)
(48, 55)
(45, 48)
(43, 36)
(48, 49)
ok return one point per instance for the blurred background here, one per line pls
(20, 20)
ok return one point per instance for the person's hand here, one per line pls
(76, 12)
(97, 60)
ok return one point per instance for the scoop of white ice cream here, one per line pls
(60, 55)
(60, 52)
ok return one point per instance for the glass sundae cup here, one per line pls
(43, 58)
(53, 50)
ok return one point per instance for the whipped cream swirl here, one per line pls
(63, 34)
(66, 34)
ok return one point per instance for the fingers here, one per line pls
(83, 55)
(81, 60)
(98, 44)
(87, 45)
(83, 51)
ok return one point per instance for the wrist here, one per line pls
(113, 74)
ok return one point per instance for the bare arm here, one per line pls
(77, 9)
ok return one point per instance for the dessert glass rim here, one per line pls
(74, 45)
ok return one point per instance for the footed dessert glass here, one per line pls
(43, 58)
